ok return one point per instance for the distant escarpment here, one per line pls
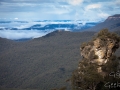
(115, 17)
(112, 23)
(99, 65)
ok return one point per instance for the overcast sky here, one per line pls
(58, 9)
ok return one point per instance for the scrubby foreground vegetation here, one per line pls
(45, 63)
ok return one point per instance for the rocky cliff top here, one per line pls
(114, 17)
(101, 48)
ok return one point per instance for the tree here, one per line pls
(86, 77)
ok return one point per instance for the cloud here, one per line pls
(75, 2)
(27, 1)
(57, 9)
(117, 2)
(16, 18)
(93, 6)
(20, 34)
(103, 15)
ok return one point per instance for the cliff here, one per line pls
(98, 62)
(101, 48)
(112, 23)
(114, 17)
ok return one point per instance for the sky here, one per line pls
(91, 10)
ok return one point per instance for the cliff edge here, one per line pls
(98, 62)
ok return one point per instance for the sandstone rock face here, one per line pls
(101, 48)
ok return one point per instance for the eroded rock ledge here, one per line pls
(101, 48)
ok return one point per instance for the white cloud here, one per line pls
(7, 4)
(103, 15)
(75, 2)
(19, 34)
(57, 9)
(93, 6)
(16, 18)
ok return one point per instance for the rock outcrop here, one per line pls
(98, 62)
(101, 48)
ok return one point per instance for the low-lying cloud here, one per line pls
(20, 34)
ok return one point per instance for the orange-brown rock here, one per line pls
(101, 48)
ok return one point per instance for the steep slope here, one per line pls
(112, 23)
(42, 63)
(5, 44)
(98, 63)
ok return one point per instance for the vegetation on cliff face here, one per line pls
(99, 69)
